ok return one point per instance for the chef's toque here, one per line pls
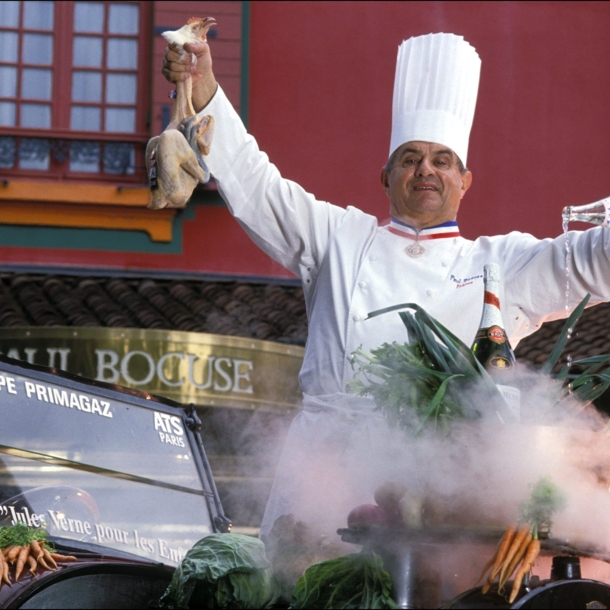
(435, 92)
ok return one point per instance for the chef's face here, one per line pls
(425, 183)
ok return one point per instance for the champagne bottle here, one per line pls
(491, 346)
(597, 213)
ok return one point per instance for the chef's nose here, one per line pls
(424, 167)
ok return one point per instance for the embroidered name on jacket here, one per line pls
(467, 281)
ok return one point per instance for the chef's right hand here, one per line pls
(178, 68)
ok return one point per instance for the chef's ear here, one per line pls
(384, 181)
(466, 182)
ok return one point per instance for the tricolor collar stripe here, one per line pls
(449, 223)
(447, 229)
(423, 237)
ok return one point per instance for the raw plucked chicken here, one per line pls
(174, 160)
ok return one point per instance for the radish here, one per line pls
(366, 515)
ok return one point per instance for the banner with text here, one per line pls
(206, 369)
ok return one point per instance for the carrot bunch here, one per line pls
(517, 546)
(33, 554)
(23, 546)
(521, 544)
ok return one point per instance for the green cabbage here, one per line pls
(223, 571)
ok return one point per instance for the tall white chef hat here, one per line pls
(435, 92)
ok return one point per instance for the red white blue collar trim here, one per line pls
(447, 229)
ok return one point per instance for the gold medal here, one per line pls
(415, 250)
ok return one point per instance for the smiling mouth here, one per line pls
(424, 188)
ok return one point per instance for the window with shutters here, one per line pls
(73, 89)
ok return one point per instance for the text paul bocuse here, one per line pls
(139, 368)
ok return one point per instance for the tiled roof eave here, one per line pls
(259, 311)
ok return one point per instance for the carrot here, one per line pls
(7, 550)
(21, 560)
(36, 550)
(533, 550)
(516, 543)
(65, 558)
(5, 577)
(14, 552)
(2, 562)
(508, 569)
(44, 564)
(505, 543)
(48, 557)
(33, 564)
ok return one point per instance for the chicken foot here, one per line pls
(198, 133)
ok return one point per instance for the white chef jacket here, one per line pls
(350, 266)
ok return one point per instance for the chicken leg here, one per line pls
(174, 160)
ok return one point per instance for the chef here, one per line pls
(349, 265)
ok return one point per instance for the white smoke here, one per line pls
(477, 476)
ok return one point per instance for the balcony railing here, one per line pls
(99, 157)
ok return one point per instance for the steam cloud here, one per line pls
(478, 475)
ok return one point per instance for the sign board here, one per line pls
(205, 369)
(100, 466)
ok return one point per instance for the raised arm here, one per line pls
(535, 272)
(285, 221)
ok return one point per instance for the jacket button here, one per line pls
(363, 285)
(429, 293)
(372, 257)
(356, 318)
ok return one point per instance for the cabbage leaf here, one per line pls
(223, 571)
(351, 581)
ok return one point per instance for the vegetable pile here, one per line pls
(232, 571)
(421, 382)
(424, 381)
(21, 545)
(521, 544)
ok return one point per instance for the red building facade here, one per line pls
(82, 92)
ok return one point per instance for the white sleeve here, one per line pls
(285, 221)
(535, 272)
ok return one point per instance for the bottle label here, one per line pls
(499, 362)
(512, 397)
(491, 299)
(493, 333)
(496, 334)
